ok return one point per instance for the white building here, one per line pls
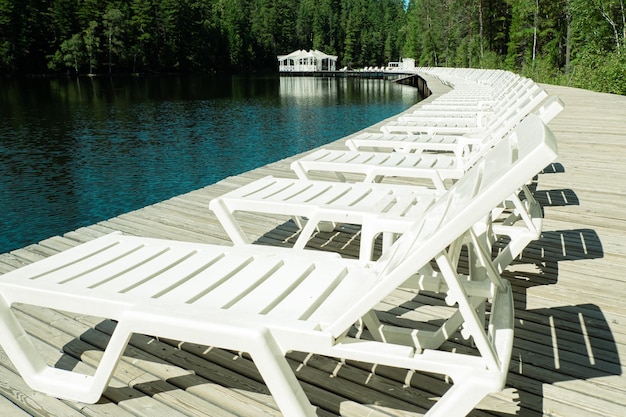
(306, 61)
(407, 64)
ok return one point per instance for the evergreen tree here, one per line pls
(91, 41)
(7, 39)
(113, 23)
(581, 42)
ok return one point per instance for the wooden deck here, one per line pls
(569, 288)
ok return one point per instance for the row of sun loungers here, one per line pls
(268, 300)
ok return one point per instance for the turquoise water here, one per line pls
(75, 152)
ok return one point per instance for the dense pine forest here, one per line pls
(573, 42)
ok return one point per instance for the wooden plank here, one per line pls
(7, 408)
(14, 389)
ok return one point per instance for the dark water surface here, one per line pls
(75, 152)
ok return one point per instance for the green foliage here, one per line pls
(521, 48)
(91, 42)
(578, 42)
(491, 60)
(71, 54)
(114, 30)
(605, 73)
(7, 57)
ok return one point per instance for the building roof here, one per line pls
(301, 53)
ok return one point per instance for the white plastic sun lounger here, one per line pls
(471, 77)
(268, 301)
(378, 208)
(460, 145)
(486, 101)
(462, 77)
(386, 209)
(514, 111)
(434, 166)
(466, 93)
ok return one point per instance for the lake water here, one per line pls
(75, 152)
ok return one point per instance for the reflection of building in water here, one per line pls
(307, 86)
(338, 88)
(306, 61)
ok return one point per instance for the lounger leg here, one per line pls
(305, 233)
(17, 344)
(370, 320)
(366, 249)
(280, 379)
(53, 381)
(230, 224)
(388, 239)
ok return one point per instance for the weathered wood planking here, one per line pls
(569, 289)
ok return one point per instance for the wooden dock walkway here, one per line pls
(570, 287)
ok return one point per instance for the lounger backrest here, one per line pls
(513, 117)
(517, 90)
(511, 113)
(505, 168)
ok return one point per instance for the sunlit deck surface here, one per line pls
(570, 287)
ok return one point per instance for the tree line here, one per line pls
(574, 42)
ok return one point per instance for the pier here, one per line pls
(569, 286)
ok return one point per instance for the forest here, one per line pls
(571, 42)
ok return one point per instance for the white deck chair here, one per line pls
(483, 99)
(268, 301)
(380, 209)
(489, 89)
(514, 111)
(436, 167)
(460, 145)
(463, 76)
(377, 208)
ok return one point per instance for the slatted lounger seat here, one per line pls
(514, 111)
(451, 103)
(268, 301)
(467, 92)
(462, 76)
(378, 208)
(460, 145)
(437, 167)
(480, 95)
